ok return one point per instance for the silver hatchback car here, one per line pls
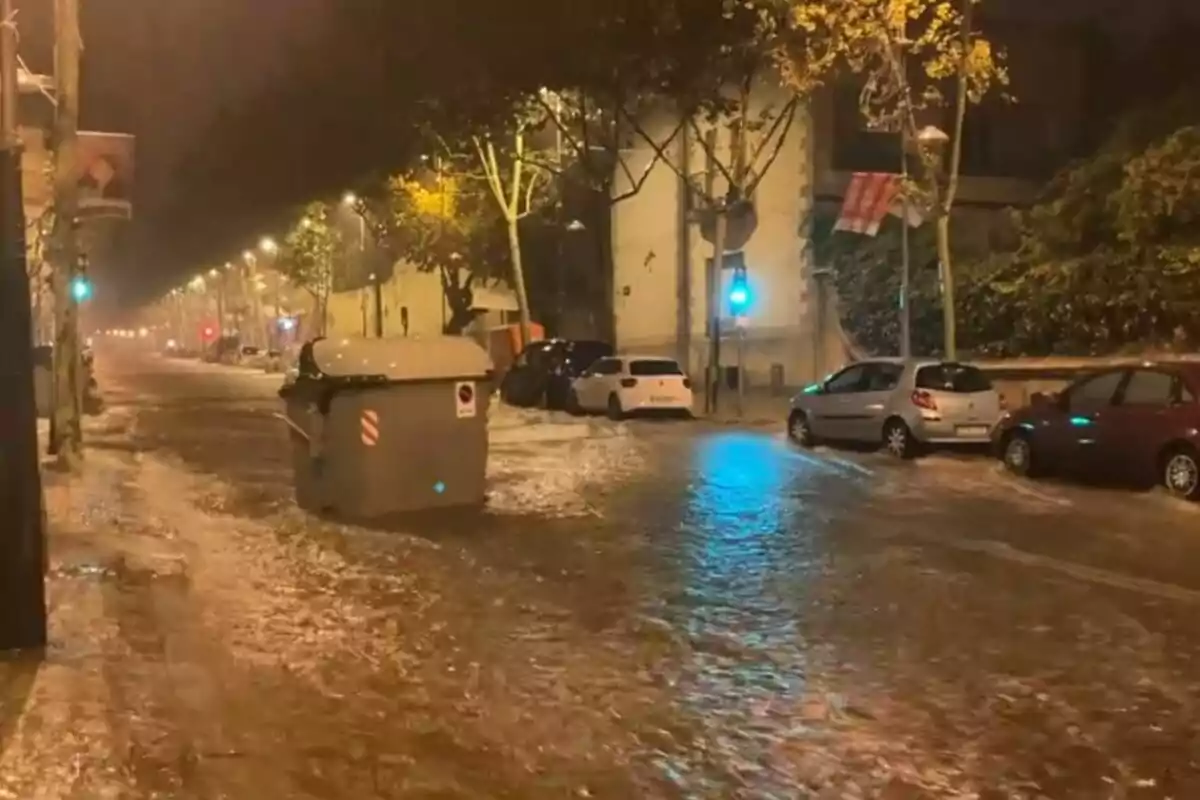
(901, 404)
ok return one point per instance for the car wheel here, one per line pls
(799, 430)
(615, 412)
(1017, 455)
(898, 440)
(1181, 473)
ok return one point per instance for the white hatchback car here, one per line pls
(624, 385)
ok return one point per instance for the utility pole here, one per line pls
(22, 542)
(905, 251)
(905, 246)
(65, 431)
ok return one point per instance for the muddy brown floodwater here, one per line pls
(649, 610)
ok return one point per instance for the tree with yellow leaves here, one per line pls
(912, 56)
(439, 219)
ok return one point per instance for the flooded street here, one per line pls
(644, 610)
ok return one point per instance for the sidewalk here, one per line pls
(184, 644)
(759, 409)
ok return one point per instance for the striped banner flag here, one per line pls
(870, 197)
(868, 200)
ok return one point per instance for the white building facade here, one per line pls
(660, 257)
(414, 304)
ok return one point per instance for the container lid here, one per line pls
(414, 358)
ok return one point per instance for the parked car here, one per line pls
(624, 385)
(901, 404)
(542, 374)
(1134, 424)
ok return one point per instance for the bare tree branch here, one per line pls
(636, 183)
(711, 155)
(527, 209)
(487, 157)
(545, 166)
(662, 157)
(787, 118)
(514, 207)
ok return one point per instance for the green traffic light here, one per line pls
(81, 289)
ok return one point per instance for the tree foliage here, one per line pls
(911, 56)
(1110, 257)
(1107, 260)
(439, 219)
(309, 257)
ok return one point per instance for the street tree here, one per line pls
(309, 258)
(722, 88)
(912, 58)
(1110, 256)
(500, 143)
(441, 220)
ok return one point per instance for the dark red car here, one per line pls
(1133, 423)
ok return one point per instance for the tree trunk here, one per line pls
(949, 321)
(66, 439)
(458, 297)
(518, 274)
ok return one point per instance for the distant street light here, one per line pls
(268, 245)
(350, 199)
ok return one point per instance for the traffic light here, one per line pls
(81, 289)
(208, 333)
(739, 293)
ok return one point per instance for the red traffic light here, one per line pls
(209, 332)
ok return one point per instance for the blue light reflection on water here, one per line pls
(750, 556)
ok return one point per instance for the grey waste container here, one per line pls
(386, 426)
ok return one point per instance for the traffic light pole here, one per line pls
(22, 537)
(715, 301)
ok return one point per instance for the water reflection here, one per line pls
(749, 552)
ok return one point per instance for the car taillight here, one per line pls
(924, 400)
(628, 383)
(687, 383)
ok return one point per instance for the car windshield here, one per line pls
(660, 366)
(957, 378)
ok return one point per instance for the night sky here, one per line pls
(245, 108)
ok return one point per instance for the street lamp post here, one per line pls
(271, 248)
(352, 202)
(219, 286)
(256, 309)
